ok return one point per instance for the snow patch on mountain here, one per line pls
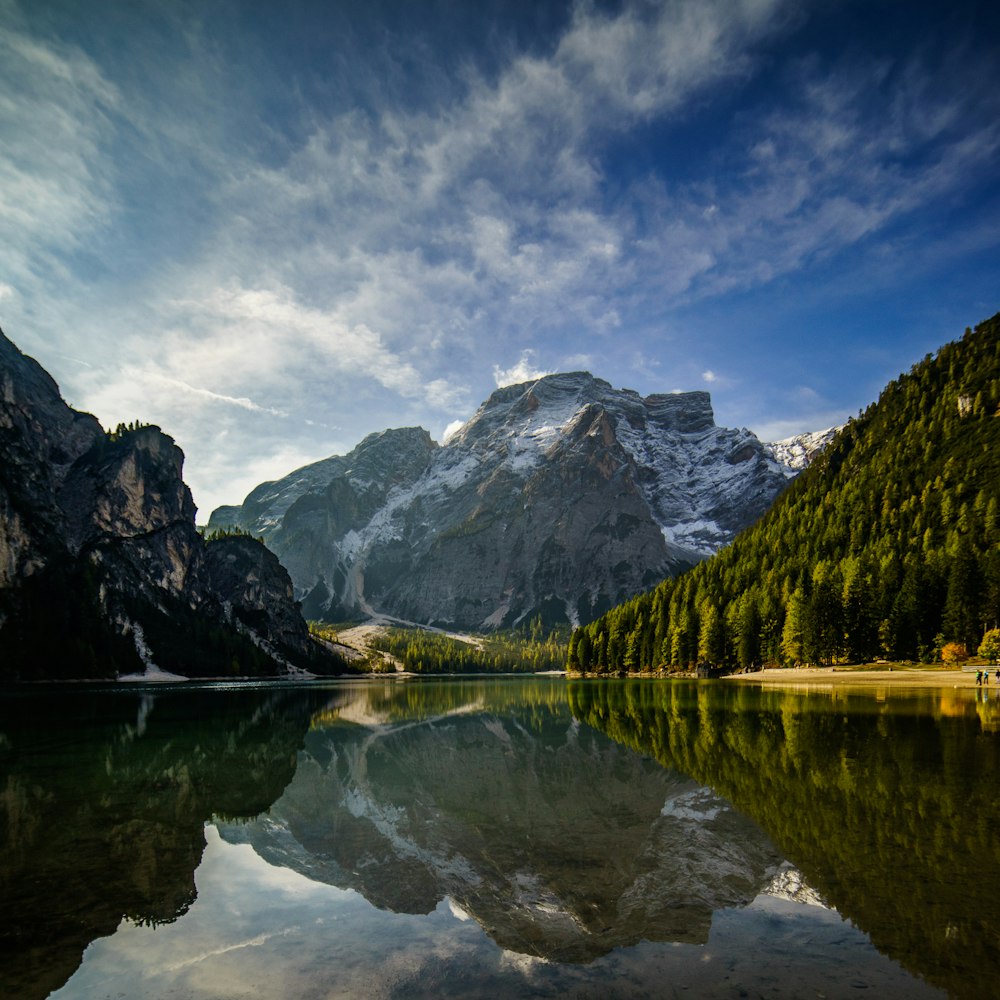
(793, 454)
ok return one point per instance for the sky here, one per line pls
(275, 228)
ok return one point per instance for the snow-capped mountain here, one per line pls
(561, 496)
(795, 453)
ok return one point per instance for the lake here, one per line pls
(504, 837)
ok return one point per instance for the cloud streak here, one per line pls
(356, 264)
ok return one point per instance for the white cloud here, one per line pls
(579, 362)
(709, 376)
(451, 430)
(647, 61)
(524, 370)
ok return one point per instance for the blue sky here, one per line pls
(274, 228)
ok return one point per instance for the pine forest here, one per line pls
(886, 547)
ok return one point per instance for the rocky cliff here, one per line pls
(560, 497)
(797, 452)
(101, 568)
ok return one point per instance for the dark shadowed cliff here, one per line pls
(102, 571)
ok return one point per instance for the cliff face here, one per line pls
(101, 568)
(561, 496)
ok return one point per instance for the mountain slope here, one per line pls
(887, 545)
(559, 497)
(101, 568)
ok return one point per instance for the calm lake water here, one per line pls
(499, 838)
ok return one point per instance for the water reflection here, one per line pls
(576, 825)
(561, 844)
(887, 804)
(103, 800)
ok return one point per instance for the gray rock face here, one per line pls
(101, 567)
(257, 591)
(562, 496)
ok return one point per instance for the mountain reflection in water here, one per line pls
(561, 844)
(577, 824)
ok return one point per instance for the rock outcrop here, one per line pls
(560, 497)
(102, 570)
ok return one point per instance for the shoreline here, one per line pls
(896, 676)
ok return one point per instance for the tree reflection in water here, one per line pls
(887, 802)
(507, 799)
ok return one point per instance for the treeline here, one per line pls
(123, 430)
(887, 546)
(230, 531)
(421, 652)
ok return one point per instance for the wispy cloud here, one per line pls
(855, 150)
(57, 114)
(341, 268)
(239, 401)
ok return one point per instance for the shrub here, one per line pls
(989, 648)
(954, 652)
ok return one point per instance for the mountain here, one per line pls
(797, 452)
(886, 546)
(102, 570)
(560, 497)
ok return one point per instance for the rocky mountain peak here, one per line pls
(684, 412)
(558, 497)
(797, 452)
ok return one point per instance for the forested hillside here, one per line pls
(525, 651)
(887, 546)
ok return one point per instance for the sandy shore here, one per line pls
(896, 676)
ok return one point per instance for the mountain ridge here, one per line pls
(558, 497)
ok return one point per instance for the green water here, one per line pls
(504, 837)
